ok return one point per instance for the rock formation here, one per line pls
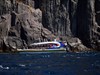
(78, 18)
(21, 24)
(56, 16)
(26, 21)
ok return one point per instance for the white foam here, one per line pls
(4, 67)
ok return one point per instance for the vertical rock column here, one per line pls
(56, 16)
(85, 20)
(73, 17)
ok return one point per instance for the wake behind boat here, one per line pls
(49, 46)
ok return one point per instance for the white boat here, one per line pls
(49, 46)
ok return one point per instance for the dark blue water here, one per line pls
(50, 64)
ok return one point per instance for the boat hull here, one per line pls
(40, 50)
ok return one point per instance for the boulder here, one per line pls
(76, 45)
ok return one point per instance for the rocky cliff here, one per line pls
(25, 21)
(20, 24)
(78, 18)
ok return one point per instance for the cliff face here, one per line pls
(20, 24)
(25, 21)
(79, 18)
(56, 16)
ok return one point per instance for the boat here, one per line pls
(49, 46)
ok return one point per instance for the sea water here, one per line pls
(50, 63)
